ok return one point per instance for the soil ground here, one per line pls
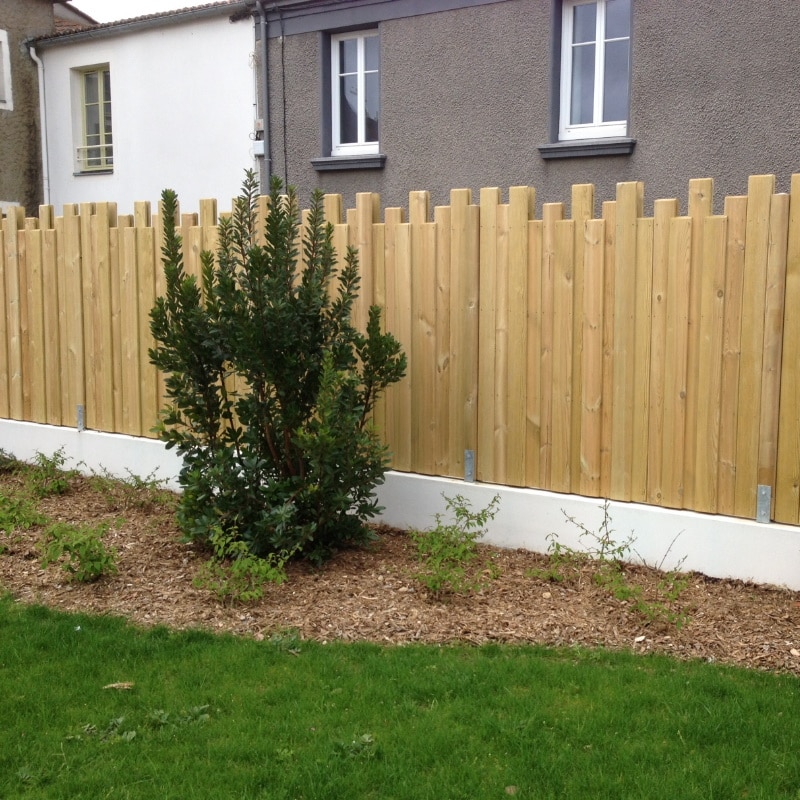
(371, 594)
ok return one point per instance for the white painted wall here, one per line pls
(722, 547)
(182, 101)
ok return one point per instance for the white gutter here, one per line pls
(42, 126)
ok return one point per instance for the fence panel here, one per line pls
(651, 359)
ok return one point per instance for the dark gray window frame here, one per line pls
(575, 148)
(327, 162)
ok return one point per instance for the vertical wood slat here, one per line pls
(131, 420)
(759, 200)
(12, 376)
(582, 210)
(52, 336)
(787, 490)
(422, 357)
(464, 322)
(610, 260)
(489, 202)
(379, 243)
(700, 206)
(4, 404)
(773, 342)
(521, 203)
(640, 423)
(736, 215)
(663, 212)
(101, 401)
(561, 401)
(676, 344)
(443, 220)
(552, 214)
(501, 348)
(89, 299)
(36, 368)
(592, 357)
(629, 209)
(711, 292)
(533, 384)
(74, 394)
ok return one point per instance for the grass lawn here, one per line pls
(218, 717)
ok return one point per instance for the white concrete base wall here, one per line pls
(722, 547)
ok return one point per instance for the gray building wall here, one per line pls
(20, 140)
(466, 101)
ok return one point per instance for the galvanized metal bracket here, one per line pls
(764, 503)
(81, 418)
(469, 465)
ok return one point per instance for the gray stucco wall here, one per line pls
(466, 98)
(20, 145)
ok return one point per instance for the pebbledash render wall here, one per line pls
(20, 147)
(467, 98)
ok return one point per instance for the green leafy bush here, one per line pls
(271, 387)
(446, 552)
(87, 557)
(47, 477)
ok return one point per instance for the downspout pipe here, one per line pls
(42, 124)
(265, 118)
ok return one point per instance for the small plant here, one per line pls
(18, 513)
(234, 573)
(447, 551)
(608, 557)
(131, 492)
(8, 462)
(47, 477)
(87, 557)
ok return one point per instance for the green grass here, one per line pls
(219, 717)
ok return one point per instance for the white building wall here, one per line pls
(182, 101)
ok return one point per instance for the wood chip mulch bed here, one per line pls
(370, 594)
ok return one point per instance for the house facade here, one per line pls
(403, 95)
(20, 152)
(162, 101)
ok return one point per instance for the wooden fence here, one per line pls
(651, 359)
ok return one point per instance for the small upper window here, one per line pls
(355, 93)
(595, 68)
(95, 151)
(6, 101)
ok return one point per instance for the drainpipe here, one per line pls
(42, 125)
(263, 27)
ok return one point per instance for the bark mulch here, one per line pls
(371, 594)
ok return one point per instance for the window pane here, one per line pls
(615, 81)
(582, 109)
(618, 19)
(92, 121)
(348, 109)
(584, 23)
(371, 53)
(372, 107)
(106, 86)
(90, 84)
(348, 56)
(107, 120)
(2, 75)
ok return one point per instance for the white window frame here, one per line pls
(362, 146)
(106, 147)
(597, 128)
(6, 93)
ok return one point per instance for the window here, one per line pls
(6, 101)
(95, 151)
(595, 68)
(355, 93)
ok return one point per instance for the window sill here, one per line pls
(578, 148)
(83, 173)
(331, 163)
